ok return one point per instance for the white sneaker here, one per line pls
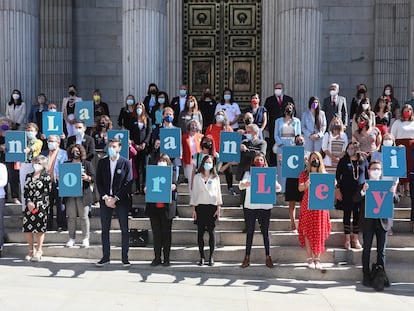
(70, 243)
(85, 243)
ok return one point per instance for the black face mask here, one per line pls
(76, 155)
(207, 94)
(153, 92)
(248, 121)
(207, 145)
(104, 125)
(315, 163)
(72, 93)
(361, 91)
(299, 143)
(289, 111)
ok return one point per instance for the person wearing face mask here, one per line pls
(16, 111)
(140, 134)
(364, 108)
(3, 185)
(259, 113)
(37, 188)
(286, 129)
(178, 102)
(100, 136)
(100, 108)
(335, 105)
(126, 118)
(190, 112)
(247, 119)
(334, 144)
(275, 109)
(207, 106)
(79, 206)
(230, 107)
(161, 216)
(161, 101)
(252, 211)
(374, 226)
(114, 180)
(150, 100)
(314, 225)
(206, 202)
(388, 93)
(351, 173)
(207, 147)
(403, 131)
(383, 115)
(36, 110)
(411, 100)
(68, 110)
(191, 142)
(313, 125)
(369, 137)
(81, 138)
(362, 91)
(55, 157)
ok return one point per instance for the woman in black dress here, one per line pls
(36, 194)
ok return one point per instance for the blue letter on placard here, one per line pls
(394, 161)
(170, 140)
(158, 183)
(52, 123)
(230, 146)
(84, 111)
(70, 180)
(292, 161)
(15, 143)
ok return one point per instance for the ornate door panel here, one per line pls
(222, 46)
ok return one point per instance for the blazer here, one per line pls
(170, 209)
(143, 135)
(175, 105)
(253, 146)
(340, 109)
(61, 157)
(278, 131)
(87, 142)
(185, 143)
(275, 111)
(121, 183)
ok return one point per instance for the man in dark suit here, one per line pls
(114, 179)
(335, 105)
(178, 103)
(81, 138)
(275, 106)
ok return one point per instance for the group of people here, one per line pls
(107, 177)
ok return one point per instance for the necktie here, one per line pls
(279, 99)
(333, 103)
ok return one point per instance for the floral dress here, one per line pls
(315, 225)
(37, 191)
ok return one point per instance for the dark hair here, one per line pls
(258, 154)
(164, 157)
(81, 150)
(231, 93)
(360, 110)
(407, 106)
(19, 101)
(293, 105)
(377, 104)
(357, 148)
(72, 86)
(126, 98)
(157, 104)
(317, 118)
(115, 140)
(97, 91)
(149, 88)
(364, 117)
(390, 87)
(213, 170)
(209, 138)
(80, 121)
(374, 162)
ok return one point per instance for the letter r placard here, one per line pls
(158, 184)
(70, 180)
(263, 185)
(379, 199)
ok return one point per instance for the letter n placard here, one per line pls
(123, 136)
(230, 146)
(292, 161)
(15, 143)
(170, 142)
(263, 185)
(158, 183)
(52, 123)
(84, 111)
(394, 161)
(321, 191)
(379, 199)
(70, 180)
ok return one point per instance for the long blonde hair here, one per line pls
(321, 168)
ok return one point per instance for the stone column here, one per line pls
(411, 48)
(298, 49)
(143, 45)
(19, 51)
(391, 46)
(55, 48)
(174, 47)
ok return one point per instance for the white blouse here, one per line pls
(403, 129)
(208, 192)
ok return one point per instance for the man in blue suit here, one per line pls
(114, 179)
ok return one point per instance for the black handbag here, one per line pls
(138, 238)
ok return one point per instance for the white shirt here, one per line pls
(112, 164)
(231, 110)
(182, 103)
(403, 129)
(247, 200)
(206, 192)
(3, 180)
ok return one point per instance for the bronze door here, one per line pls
(222, 47)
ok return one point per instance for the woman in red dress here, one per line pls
(314, 225)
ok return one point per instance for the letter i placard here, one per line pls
(379, 199)
(321, 191)
(263, 185)
(15, 142)
(70, 180)
(158, 183)
(394, 161)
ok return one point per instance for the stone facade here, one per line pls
(366, 41)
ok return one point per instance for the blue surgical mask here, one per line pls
(52, 110)
(168, 119)
(227, 96)
(51, 145)
(112, 152)
(219, 118)
(30, 135)
(161, 100)
(139, 111)
(183, 93)
(208, 166)
(130, 102)
(248, 136)
(78, 132)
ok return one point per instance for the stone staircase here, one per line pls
(289, 258)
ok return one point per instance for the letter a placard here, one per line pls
(263, 185)
(15, 142)
(158, 183)
(394, 161)
(292, 161)
(379, 199)
(84, 111)
(52, 123)
(70, 180)
(321, 191)
(170, 142)
(230, 146)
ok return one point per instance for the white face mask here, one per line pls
(191, 104)
(37, 167)
(162, 163)
(16, 96)
(332, 92)
(387, 142)
(412, 94)
(278, 92)
(365, 106)
(387, 92)
(375, 174)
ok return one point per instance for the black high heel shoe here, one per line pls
(201, 262)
